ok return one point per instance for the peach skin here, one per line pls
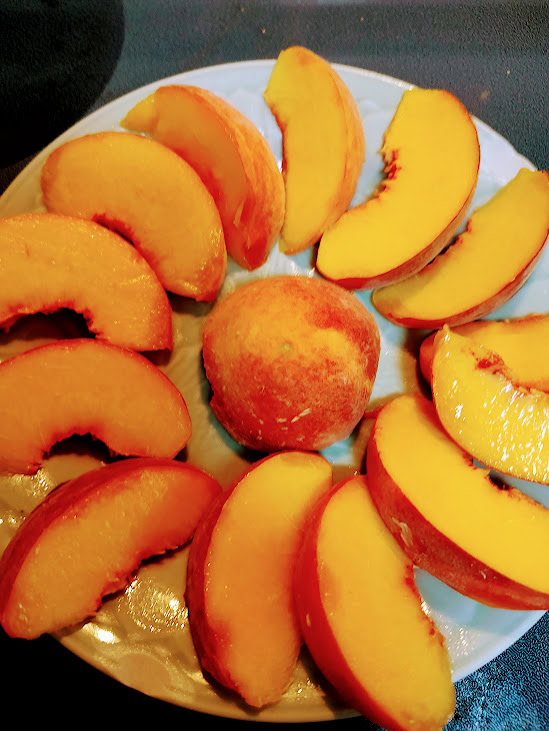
(292, 361)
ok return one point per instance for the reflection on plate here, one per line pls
(141, 636)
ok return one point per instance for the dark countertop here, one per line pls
(62, 60)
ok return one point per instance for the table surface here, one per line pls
(60, 61)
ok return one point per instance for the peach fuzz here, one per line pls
(291, 361)
(147, 193)
(496, 420)
(522, 343)
(50, 262)
(450, 518)
(315, 112)
(232, 158)
(432, 157)
(89, 535)
(362, 616)
(484, 267)
(240, 570)
(85, 386)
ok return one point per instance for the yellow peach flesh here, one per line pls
(523, 344)
(203, 136)
(504, 529)
(250, 570)
(503, 237)
(150, 195)
(375, 613)
(230, 155)
(430, 181)
(502, 424)
(93, 546)
(51, 262)
(312, 106)
(85, 386)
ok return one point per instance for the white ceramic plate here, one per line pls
(141, 636)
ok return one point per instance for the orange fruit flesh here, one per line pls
(504, 529)
(376, 615)
(84, 386)
(50, 262)
(232, 158)
(501, 239)
(305, 99)
(523, 344)
(250, 569)
(93, 546)
(151, 196)
(429, 181)
(183, 121)
(500, 423)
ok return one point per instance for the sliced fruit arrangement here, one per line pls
(240, 571)
(147, 193)
(432, 156)
(523, 344)
(362, 616)
(494, 257)
(291, 361)
(85, 386)
(449, 517)
(88, 536)
(51, 262)
(320, 184)
(231, 156)
(496, 420)
(282, 556)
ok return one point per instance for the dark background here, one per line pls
(60, 60)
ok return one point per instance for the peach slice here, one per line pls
(484, 267)
(89, 535)
(84, 386)
(292, 362)
(323, 144)
(147, 193)
(240, 571)
(523, 344)
(488, 543)
(497, 421)
(231, 156)
(432, 156)
(50, 262)
(362, 617)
